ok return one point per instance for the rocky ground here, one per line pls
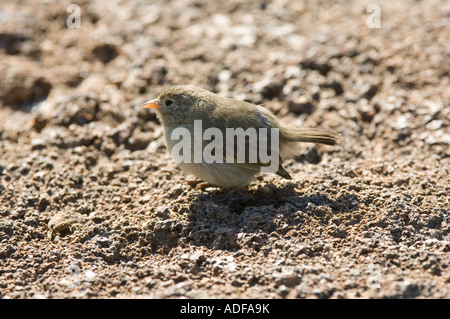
(92, 206)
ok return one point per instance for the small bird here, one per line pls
(181, 109)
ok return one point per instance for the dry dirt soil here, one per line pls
(92, 205)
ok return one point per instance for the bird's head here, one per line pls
(177, 105)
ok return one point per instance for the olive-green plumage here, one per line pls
(179, 106)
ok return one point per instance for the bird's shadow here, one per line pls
(219, 218)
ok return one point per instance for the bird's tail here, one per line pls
(311, 135)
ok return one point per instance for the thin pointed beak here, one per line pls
(153, 104)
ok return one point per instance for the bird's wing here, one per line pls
(251, 153)
(257, 143)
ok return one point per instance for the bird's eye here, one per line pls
(168, 102)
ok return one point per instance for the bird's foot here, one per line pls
(199, 184)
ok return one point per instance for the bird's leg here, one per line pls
(204, 185)
(193, 182)
(198, 184)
